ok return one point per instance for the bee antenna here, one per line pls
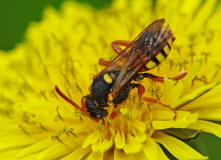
(66, 98)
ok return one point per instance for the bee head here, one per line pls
(93, 108)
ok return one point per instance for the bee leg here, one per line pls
(140, 88)
(82, 109)
(108, 129)
(179, 76)
(113, 115)
(138, 77)
(102, 62)
(115, 45)
(151, 100)
(143, 69)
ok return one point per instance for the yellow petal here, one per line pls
(172, 91)
(77, 154)
(140, 156)
(32, 156)
(176, 147)
(139, 125)
(161, 154)
(207, 127)
(188, 7)
(119, 155)
(208, 99)
(162, 113)
(107, 144)
(204, 13)
(10, 155)
(102, 145)
(15, 141)
(209, 113)
(35, 148)
(140, 136)
(96, 146)
(119, 140)
(131, 145)
(150, 149)
(193, 95)
(91, 139)
(183, 119)
(95, 156)
(54, 152)
(187, 81)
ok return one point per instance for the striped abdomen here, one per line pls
(160, 56)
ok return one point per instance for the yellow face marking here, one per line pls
(166, 49)
(160, 57)
(150, 64)
(107, 78)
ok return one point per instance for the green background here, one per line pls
(15, 15)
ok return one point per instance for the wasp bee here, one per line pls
(114, 82)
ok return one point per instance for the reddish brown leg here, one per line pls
(143, 69)
(102, 62)
(181, 75)
(140, 88)
(108, 129)
(82, 109)
(113, 115)
(151, 100)
(141, 91)
(115, 45)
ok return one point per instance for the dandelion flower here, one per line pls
(64, 49)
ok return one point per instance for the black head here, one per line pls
(94, 109)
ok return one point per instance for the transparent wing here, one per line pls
(148, 43)
(122, 59)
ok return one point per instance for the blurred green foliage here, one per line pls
(208, 145)
(15, 16)
(96, 3)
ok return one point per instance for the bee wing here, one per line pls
(136, 55)
(120, 61)
(123, 58)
